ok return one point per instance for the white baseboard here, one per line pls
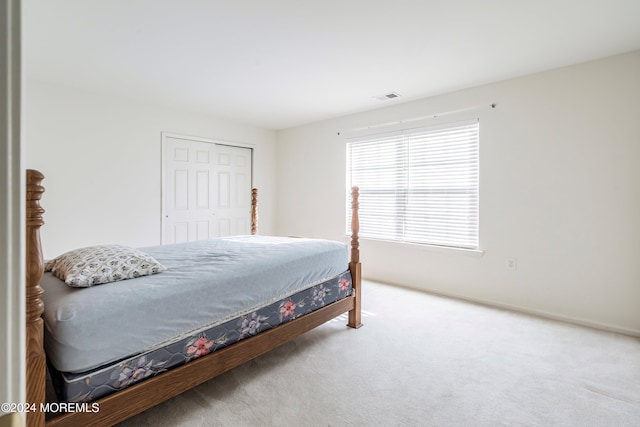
(539, 313)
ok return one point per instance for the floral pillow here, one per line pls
(95, 265)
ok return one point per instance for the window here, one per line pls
(418, 185)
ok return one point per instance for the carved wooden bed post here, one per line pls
(254, 211)
(354, 266)
(36, 362)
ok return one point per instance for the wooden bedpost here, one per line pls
(254, 211)
(36, 362)
(355, 319)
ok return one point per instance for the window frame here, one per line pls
(468, 193)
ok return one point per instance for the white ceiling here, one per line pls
(282, 63)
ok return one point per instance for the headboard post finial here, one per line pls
(254, 211)
(36, 365)
(35, 261)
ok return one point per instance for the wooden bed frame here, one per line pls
(126, 403)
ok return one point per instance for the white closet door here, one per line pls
(202, 188)
(233, 190)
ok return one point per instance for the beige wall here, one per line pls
(101, 157)
(559, 191)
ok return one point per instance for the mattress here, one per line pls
(206, 284)
(97, 383)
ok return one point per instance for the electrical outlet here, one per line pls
(512, 264)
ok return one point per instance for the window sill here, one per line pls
(426, 247)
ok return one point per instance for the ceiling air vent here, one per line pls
(387, 96)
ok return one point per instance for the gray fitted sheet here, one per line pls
(206, 283)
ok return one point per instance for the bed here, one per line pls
(268, 290)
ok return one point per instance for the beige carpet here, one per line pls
(424, 360)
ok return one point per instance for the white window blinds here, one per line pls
(418, 185)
